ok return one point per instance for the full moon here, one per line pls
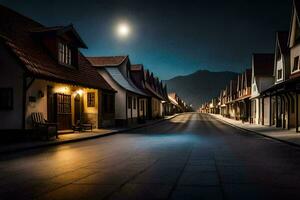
(123, 30)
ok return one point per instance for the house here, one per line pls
(214, 106)
(285, 91)
(293, 85)
(174, 100)
(157, 99)
(42, 70)
(130, 101)
(231, 100)
(281, 99)
(262, 79)
(158, 102)
(243, 96)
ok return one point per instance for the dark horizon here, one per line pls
(169, 38)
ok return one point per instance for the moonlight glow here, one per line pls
(123, 30)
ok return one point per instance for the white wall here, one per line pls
(11, 76)
(134, 110)
(279, 65)
(40, 105)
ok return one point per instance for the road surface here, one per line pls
(192, 156)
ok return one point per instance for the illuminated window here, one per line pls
(91, 99)
(6, 98)
(64, 54)
(296, 63)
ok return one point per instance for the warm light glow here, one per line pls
(123, 30)
(62, 90)
(80, 92)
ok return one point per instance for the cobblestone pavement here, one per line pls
(192, 156)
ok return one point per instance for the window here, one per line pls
(296, 64)
(63, 104)
(279, 74)
(91, 99)
(6, 98)
(64, 54)
(129, 103)
(134, 103)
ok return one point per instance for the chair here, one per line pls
(43, 126)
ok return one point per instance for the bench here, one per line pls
(82, 126)
(43, 126)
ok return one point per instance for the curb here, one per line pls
(257, 133)
(16, 150)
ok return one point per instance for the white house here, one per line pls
(129, 99)
(42, 71)
(262, 79)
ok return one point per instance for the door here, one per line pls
(63, 111)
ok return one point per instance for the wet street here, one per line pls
(191, 156)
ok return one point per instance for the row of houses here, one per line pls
(268, 92)
(43, 71)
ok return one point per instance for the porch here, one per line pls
(63, 104)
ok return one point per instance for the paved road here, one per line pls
(192, 156)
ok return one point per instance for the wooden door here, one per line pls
(63, 111)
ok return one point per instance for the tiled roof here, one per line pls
(263, 64)
(16, 32)
(106, 61)
(119, 78)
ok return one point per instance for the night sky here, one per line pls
(170, 37)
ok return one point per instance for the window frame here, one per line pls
(294, 68)
(64, 54)
(279, 72)
(91, 99)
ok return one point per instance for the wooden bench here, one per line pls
(82, 126)
(43, 126)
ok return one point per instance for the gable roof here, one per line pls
(60, 30)
(282, 38)
(263, 64)
(295, 15)
(107, 61)
(119, 78)
(16, 34)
